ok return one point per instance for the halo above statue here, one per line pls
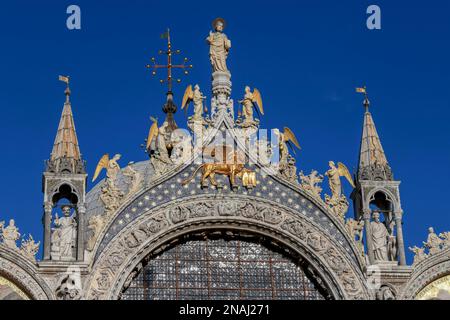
(222, 20)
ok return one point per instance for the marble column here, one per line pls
(81, 211)
(366, 217)
(400, 244)
(47, 222)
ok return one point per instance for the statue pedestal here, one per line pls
(221, 103)
(221, 83)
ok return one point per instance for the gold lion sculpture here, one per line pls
(209, 170)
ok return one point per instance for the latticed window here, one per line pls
(219, 269)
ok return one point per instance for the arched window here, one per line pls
(217, 268)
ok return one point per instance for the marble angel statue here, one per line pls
(111, 195)
(160, 158)
(111, 166)
(334, 175)
(285, 139)
(197, 97)
(251, 100)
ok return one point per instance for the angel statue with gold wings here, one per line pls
(286, 138)
(197, 97)
(334, 175)
(111, 166)
(159, 135)
(111, 196)
(251, 100)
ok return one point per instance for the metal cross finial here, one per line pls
(169, 66)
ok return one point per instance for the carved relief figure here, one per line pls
(251, 100)
(64, 235)
(385, 293)
(96, 224)
(379, 238)
(135, 179)
(10, 234)
(70, 288)
(433, 242)
(182, 149)
(219, 46)
(355, 230)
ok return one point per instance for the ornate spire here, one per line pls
(66, 156)
(373, 164)
(169, 108)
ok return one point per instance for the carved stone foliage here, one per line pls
(29, 248)
(311, 183)
(434, 245)
(338, 206)
(119, 258)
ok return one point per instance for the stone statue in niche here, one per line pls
(391, 238)
(64, 236)
(380, 236)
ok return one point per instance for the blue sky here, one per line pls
(306, 58)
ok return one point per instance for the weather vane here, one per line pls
(66, 80)
(169, 66)
(363, 90)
